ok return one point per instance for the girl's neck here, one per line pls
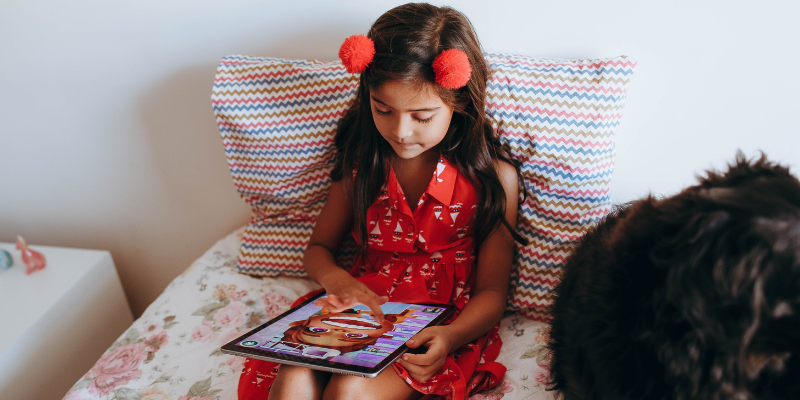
(422, 161)
(414, 174)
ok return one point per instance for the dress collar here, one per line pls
(440, 186)
(443, 181)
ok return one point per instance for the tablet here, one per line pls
(348, 342)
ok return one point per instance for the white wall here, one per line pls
(107, 137)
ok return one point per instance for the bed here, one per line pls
(277, 119)
(172, 350)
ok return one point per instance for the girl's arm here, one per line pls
(488, 301)
(333, 224)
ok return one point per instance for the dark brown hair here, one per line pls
(421, 31)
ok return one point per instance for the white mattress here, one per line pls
(172, 351)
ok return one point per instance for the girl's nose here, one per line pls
(403, 128)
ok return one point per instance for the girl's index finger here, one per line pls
(377, 312)
(333, 301)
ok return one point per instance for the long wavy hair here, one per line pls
(421, 31)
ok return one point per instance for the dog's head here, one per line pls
(702, 292)
(732, 285)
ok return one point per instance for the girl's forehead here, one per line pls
(407, 96)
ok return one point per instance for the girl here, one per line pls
(430, 196)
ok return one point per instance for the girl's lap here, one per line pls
(387, 385)
(298, 382)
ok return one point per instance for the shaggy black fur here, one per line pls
(695, 296)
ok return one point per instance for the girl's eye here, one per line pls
(424, 121)
(379, 112)
(355, 335)
(315, 329)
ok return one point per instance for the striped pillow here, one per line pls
(278, 118)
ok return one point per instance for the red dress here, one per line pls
(421, 256)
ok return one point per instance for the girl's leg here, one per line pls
(298, 383)
(387, 385)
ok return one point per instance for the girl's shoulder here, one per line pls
(507, 174)
(504, 168)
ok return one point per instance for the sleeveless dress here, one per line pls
(422, 256)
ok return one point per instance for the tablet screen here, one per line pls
(351, 338)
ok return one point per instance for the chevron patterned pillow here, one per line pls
(278, 118)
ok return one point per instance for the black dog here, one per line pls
(695, 296)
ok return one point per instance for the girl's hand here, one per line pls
(423, 366)
(346, 292)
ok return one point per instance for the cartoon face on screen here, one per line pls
(345, 331)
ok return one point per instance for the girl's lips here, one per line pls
(404, 145)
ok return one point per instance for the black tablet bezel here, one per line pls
(320, 364)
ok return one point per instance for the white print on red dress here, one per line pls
(432, 289)
(407, 275)
(437, 211)
(454, 210)
(410, 235)
(398, 232)
(387, 219)
(459, 289)
(439, 169)
(385, 270)
(426, 270)
(375, 234)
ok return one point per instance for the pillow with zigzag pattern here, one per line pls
(278, 118)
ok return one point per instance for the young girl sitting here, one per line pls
(430, 196)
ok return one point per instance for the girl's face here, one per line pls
(412, 119)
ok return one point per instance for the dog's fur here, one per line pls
(695, 296)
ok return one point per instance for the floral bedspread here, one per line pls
(172, 351)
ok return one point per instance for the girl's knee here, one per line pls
(345, 387)
(298, 383)
(342, 387)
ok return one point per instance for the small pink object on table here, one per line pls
(33, 260)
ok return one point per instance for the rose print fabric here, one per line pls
(172, 351)
(425, 255)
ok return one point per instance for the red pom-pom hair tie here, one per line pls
(452, 69)
(356, 53)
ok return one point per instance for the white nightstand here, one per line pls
(55, 323)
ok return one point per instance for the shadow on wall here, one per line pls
(185, 142)
(191, 201)
(195, 197)
(179, 118)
